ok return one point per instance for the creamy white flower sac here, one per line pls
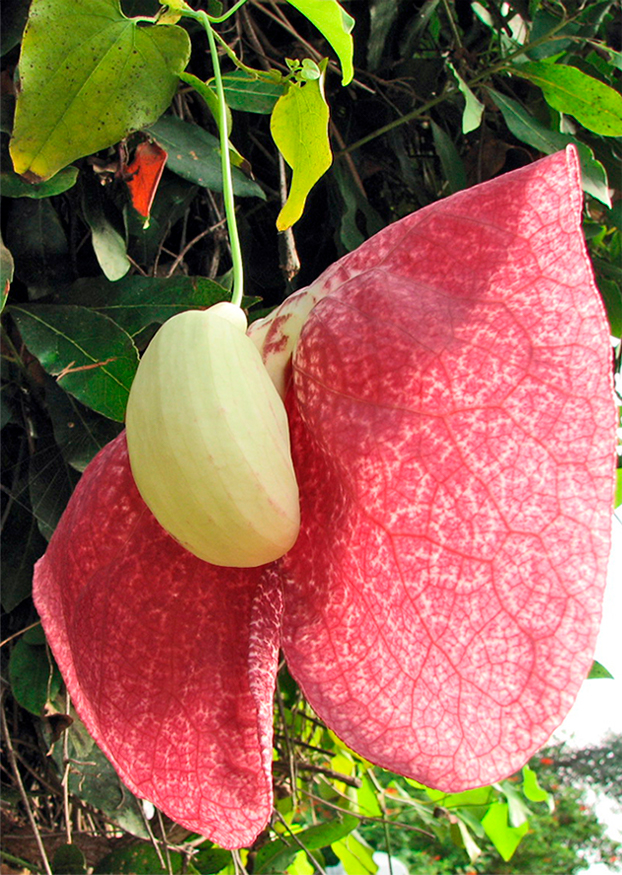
(208, 441)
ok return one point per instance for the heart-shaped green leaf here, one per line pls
(88, 77)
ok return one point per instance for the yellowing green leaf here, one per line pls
(299, 126)
(594, 105)
(336, 25)
(88, 77)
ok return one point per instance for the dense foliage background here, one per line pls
(445, 95)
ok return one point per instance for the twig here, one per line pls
(65, 781)
(22, 791)
(290, 260)
(300, 844)
(154, 841)
(189, 246)
(169, 865)
(291, 760)
(21, 632)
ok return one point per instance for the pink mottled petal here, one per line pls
(171, 662)
(453, 432)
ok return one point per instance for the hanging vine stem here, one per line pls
(225, 161)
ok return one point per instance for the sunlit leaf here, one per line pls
(569, 90)
(504, 837)
(336, 25)
(531, 788)
(89, 76)
(468, 842)
(356, 856)
(299, 126)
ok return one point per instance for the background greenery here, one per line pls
(444, 95)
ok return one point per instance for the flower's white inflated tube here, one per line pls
(208, 441)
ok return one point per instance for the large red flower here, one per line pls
(452, 426)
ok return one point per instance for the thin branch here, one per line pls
(300, 844)
(22, 791)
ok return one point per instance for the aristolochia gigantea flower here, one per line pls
(452, 427)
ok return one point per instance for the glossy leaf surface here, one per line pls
(69, 341)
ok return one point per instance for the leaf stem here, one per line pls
(220, 18)
(227, 179)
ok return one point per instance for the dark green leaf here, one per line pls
(79, 432)
(598, 671)
(108, 242)
(92, 357)
(208, 861)
(355, 204)
(137, 859)
(6, 273)
(528, 130)
(94, 780)
(34, 678)
(246, 94)
(453, 168)
(275, 856)
(136, 302)
(14, 15)
(22, 545)
(88, 77)
(16, 186)
(38, 244)
(51, 482)
(68, 860)
(382, 17)
(195, 155)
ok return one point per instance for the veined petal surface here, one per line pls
(170, 661)
(453, 433)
